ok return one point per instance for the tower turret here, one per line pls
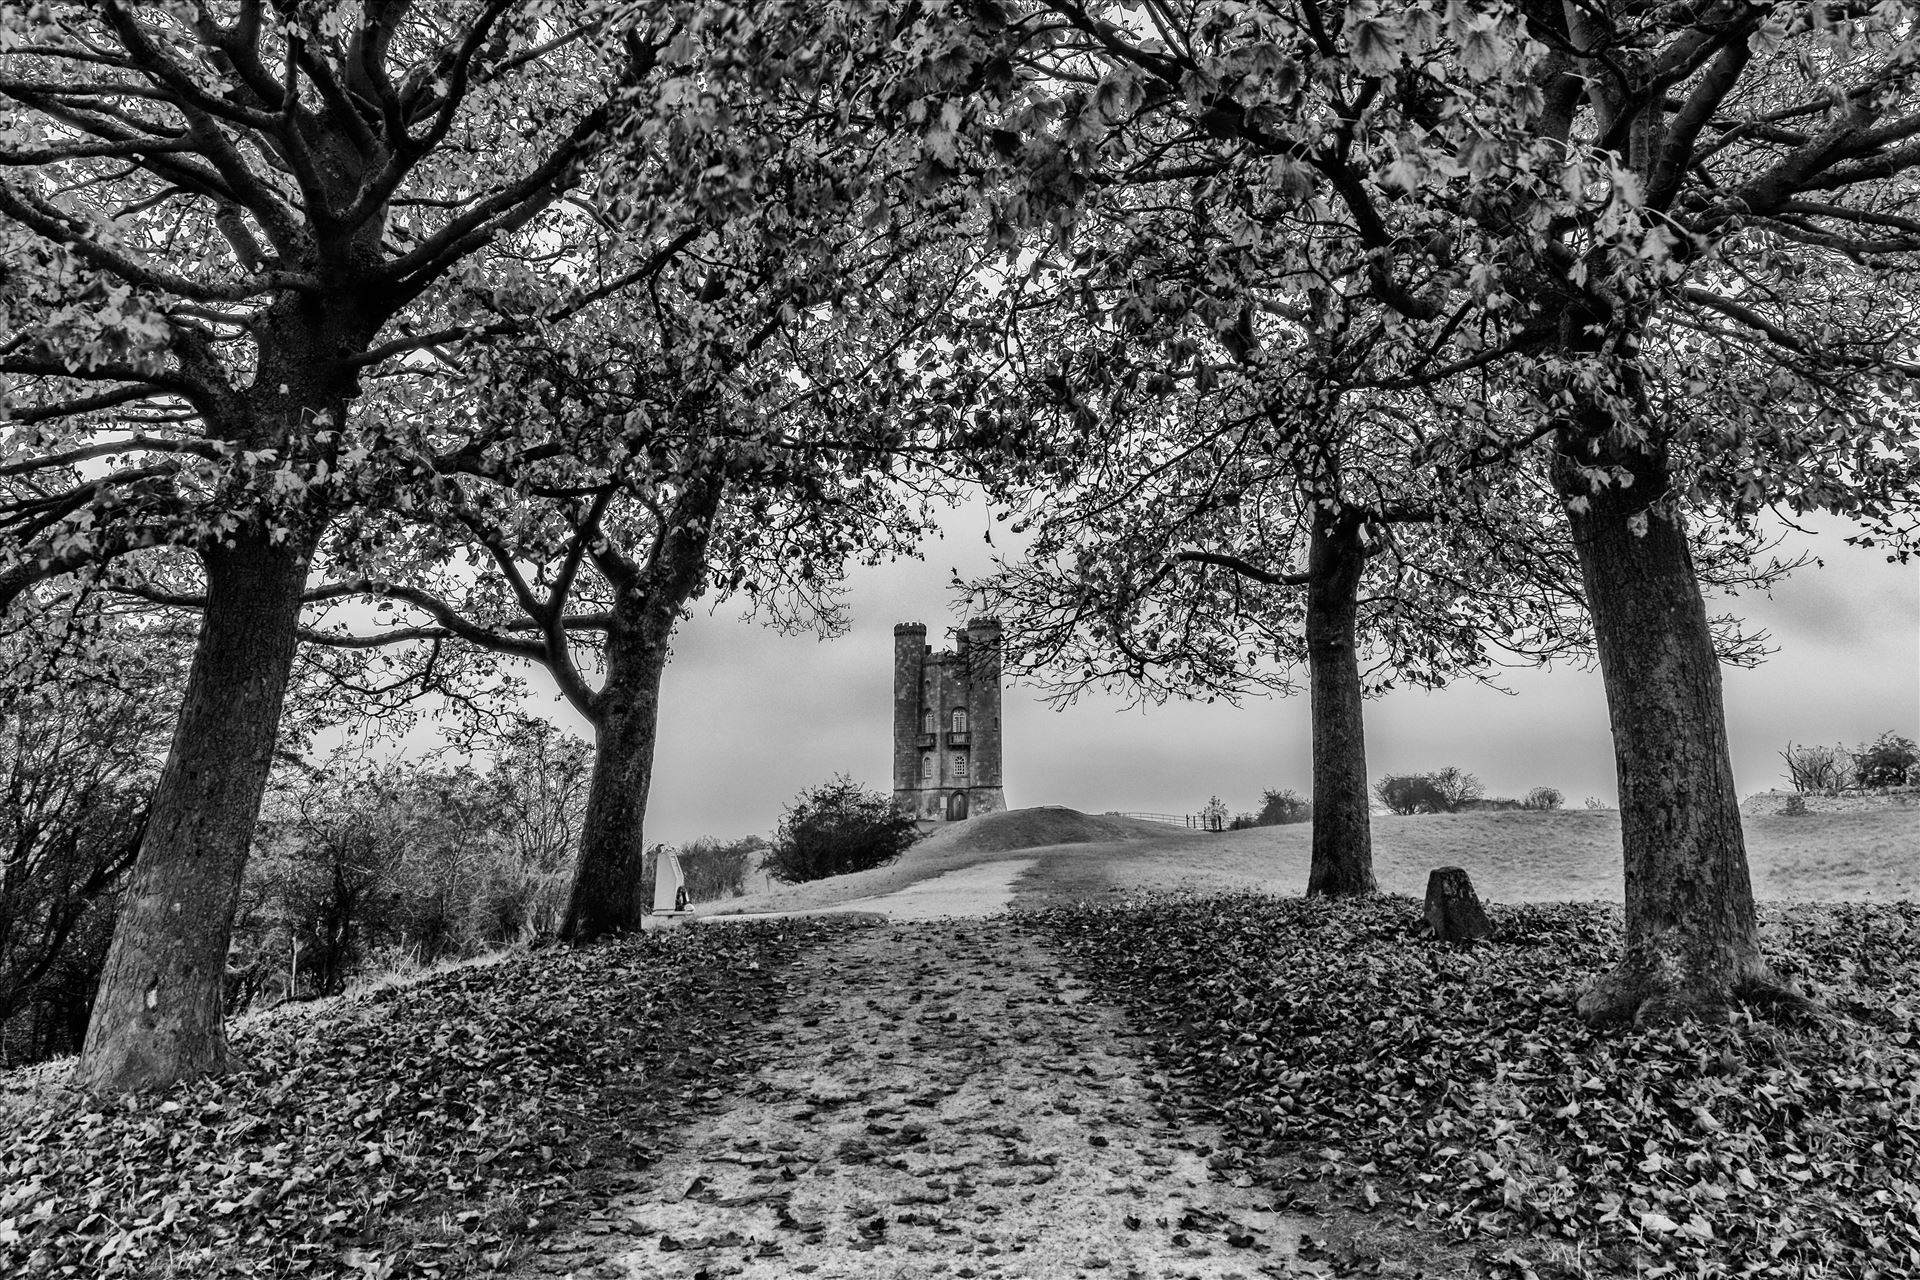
(909, 655)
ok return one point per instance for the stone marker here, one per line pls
(1453, 910)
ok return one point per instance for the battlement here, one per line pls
(909, 628)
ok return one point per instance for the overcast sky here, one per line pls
(750, 718)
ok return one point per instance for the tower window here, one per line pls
(926, 720)
(959, 764)
(926, 767)
(959, 720)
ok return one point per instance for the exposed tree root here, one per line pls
(1642, 999)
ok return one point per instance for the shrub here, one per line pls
(718, 869)
(1813, 768)
(1214, 814)
(1884, 762)
(1281, 808)
(1447, 790)
(837, 828)
(1795, 806)
(1543, 798)
(1408, 793)
(1456, 788)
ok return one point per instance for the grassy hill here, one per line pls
(1567, 855)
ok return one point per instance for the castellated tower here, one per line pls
(946, 723)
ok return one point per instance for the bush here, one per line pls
(1282, 808)
(837, 828)
(1447, 790)
(1408, 793)
(1818, 768)
(1885, 761)
(1456, 788)
(713, 868)
(1214, 814)
(1795, 807)
(1543, 798)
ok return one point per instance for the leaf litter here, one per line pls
(1457, 1092)
(429, 1130)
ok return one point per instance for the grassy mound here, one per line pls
(1455, 1091)
(428, 1131)
(1038, 827)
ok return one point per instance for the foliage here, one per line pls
(400, 863)
(1884, 762)
(85, 704)
(1408, 793)
(837, 828)
(1456, 788)
(1795, 806)
(1543, 798)
(432, 1130)
(1447, 790)
(1279, 808)
(1214, 814)
(1818, 768)
(713, 868)
(1460, 1089)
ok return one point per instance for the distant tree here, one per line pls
(1214, 814)
(1455, 788)
(1885, 761)
(1409, 793)
(1544, 798)
(1817, 768)
(837, 828)
(1278, 808)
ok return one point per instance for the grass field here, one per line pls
(1564, 856)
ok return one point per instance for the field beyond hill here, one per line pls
(1513, 856)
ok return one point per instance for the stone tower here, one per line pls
(946, 723)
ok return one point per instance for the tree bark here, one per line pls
(157, 1016)
(607, 896)
(1691, 939)
(1342, 825)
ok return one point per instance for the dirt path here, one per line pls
(938, 1099)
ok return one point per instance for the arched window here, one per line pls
(926, 767)
(926, 720)
(959, 720)
(959, 764)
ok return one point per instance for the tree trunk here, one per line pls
(1342, 828)
(608, 896)
(1691, 940)
(157, 1013)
